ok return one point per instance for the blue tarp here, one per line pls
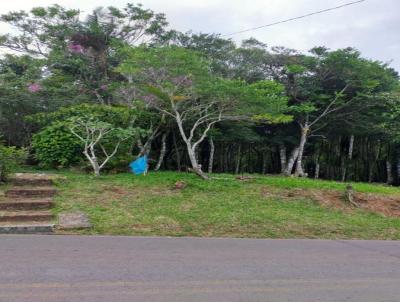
(139, 166)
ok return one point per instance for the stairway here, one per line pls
(26, 206)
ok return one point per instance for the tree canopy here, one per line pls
(119, 83)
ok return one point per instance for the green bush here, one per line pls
(10, 159)
(56, 146)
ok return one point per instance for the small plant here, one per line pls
(10, 159)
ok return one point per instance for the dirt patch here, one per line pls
(141, 227)
(116, 191)
(167, 224)
(388, 205)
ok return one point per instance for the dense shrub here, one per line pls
(56, 146)
(10, 159)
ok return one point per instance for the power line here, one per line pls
(294, 18)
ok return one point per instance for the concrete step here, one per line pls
(28, 227)
(26, 204)
(13, 216)
(32, 179)
(26, 192)
(32, 182)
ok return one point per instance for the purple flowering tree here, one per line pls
(34, 87)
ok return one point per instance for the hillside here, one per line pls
(181, 204)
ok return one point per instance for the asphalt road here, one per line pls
(143, 269)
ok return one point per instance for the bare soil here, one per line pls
(387, 205)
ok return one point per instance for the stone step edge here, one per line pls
(26, 201)
(29, 215)
(31, 182)
(33, 188)
(27, 228)
(25, 213)
(26, 193)
(26, 205)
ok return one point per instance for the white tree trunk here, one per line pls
(349, 157)
(162, 151)
(283, 158)
(193, 161)
(351, 147)
(317, 167)
(292, 161)
(303, 139)
(94, 163)
(238, 159)
(211, 157)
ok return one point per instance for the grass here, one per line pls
(125, 204)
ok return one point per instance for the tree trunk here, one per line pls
(144, 149)
(96, 171)
(264, 166)
(351, 147)
(193, 161)
(177, 154)
(303, 139)
(317, 167)
(162, 151)
(344, 169)
(349, 158)
(389, 177)
(291, 161)
(211, 157)
(238, 159)
(283, 158)
(93, 162)
(373, 163)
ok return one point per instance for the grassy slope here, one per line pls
(125, 204)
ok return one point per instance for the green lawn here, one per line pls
(125, 204)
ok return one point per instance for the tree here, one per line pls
(44, 29)
(93, 134)
(326, 87)
(55, 144)
(178, 83)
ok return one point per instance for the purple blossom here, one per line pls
(76, 48)
(34, 87)
(104, 87)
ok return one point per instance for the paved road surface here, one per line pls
(132, 269)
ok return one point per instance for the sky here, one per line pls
(371, 26)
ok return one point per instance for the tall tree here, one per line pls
(178, 83)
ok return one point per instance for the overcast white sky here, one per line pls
(371, 26)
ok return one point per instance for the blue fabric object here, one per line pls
(139, 166)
